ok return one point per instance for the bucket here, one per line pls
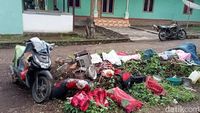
(174, 81)
(194, 76)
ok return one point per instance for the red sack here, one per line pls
(99, 96)
(123, 99)
(154, 86)
(81, 101)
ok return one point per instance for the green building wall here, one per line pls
(11, 17)
(118, 9)
(163, 9)
(83, 10)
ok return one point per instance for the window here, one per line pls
(55, 8)
(71, 2)
(34, 4)
(29, 4)
(187, 10)
(148, 5)
(107, 6)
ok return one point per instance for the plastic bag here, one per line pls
(96, 58)
(123, 99)
(112, 57)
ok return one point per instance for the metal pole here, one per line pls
(127, 12)
(68, 6)
(73, 14)
(63, 5)
(188, 17)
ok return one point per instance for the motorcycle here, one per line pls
(31, 67)
(170, 32)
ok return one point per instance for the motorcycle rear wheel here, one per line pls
(181, 34)
(44, 89)
(162, 35)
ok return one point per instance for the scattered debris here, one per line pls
(96, 76)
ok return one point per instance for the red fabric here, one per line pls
(126, 76)
(23, 74)
(117, 71)
(99, 96)
(126, 101)
(86, 88)
(122, 53)
(81, 101)
(154, 86)
(71, 85)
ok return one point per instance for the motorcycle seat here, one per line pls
(171, 26)
(164, 26)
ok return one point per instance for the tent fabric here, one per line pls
(191, 4)
(19, 50)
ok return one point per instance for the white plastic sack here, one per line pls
(166, 55)
(129, 57)
(96, 58)
(112, 57)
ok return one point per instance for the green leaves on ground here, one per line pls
(178, 93)
(154, 66)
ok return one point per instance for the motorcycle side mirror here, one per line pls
(51, 46)
(30, 58)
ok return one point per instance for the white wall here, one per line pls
(47, 23)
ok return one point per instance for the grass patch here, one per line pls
(194, 29)
(22, 38)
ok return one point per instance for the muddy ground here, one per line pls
(15, 99)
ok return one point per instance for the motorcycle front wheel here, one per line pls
(162, 35)
(181, 34)
(41, 90)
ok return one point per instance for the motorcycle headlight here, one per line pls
(44, 65)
